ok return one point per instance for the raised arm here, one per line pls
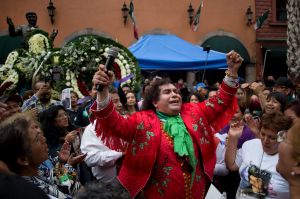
(234, 134)
(109, 121)
(11, 28)
(219, 109)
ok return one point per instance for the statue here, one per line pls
(23, 30)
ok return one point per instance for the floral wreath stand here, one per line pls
(72, 66)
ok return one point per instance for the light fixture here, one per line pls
(249, 15)
(51, 11)
(190, 11)
(125, 11)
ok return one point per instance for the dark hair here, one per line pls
(280, 97)
(14, 139)
(136, 101)
(294, 106)
(52, 132)
(28, 94)
(197, 95)
(103, 191)
(152, 93)
(276, 121)
(73, 92)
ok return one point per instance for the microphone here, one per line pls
(112, 54)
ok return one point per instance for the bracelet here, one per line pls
(103, 103)
(229, 74)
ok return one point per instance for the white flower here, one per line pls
(12, 77)
(81, 59)
(97, 60)
(38, 43)
(120, 57)
(83, 68)
(117, 61)
(106, 49)
(68, 84)
(93, 48)
(11, 58)
(68, 78)
(85, 54)
(124, 61)
(123, 72)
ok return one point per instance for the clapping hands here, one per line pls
(66, 156)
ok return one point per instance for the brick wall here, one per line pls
(271, 28)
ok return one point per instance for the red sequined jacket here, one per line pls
(143, 131)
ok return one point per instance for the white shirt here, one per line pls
(252, 160)
(220, 168)
(99, 157)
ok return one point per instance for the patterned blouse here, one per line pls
(59, 181)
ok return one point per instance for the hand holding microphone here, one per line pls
(112, 54)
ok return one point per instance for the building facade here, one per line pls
(271, 39)
(222, 25)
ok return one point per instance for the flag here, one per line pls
(260, 21)
(135, 31)
(197, 18)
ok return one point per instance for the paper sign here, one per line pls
(213, 193)
(66, 98)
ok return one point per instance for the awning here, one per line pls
(225, 44)
(169, 52)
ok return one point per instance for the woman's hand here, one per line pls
(64, 152)
(74, 160)
(70, 137)
(252, 124)
(236, 129)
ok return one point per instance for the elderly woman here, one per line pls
(257, 159)
(289, 158)
(23, 149)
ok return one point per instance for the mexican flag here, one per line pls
(135, 31)
(197, 18)
(260, 21)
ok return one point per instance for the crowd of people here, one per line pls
(173, 142)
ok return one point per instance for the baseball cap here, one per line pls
(283, 81)
(201, 85)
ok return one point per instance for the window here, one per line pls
(281, 12)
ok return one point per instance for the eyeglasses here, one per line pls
(281, 136)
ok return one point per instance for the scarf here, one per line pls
(183, 144)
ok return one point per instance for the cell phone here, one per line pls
(32, 105)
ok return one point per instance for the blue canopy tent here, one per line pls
(169, 52)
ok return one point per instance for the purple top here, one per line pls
(246, 135)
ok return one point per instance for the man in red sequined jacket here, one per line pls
(172, 151)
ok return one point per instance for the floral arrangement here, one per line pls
(77, 61)
(23, 65)
(81, 58)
